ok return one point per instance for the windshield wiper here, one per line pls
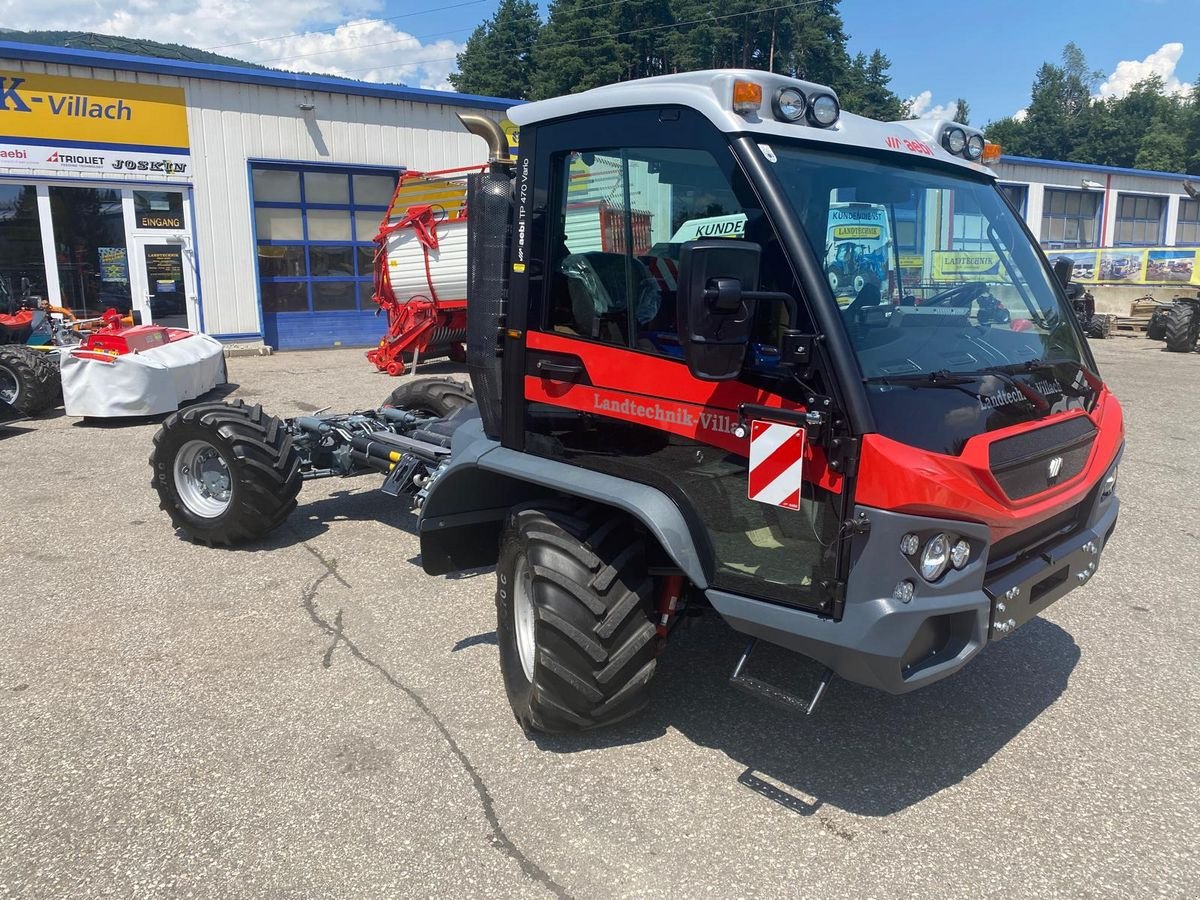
(946, 378)
(942, 377)
(1032, 365)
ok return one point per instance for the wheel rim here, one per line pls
(523, 616)
(833, 280)
(10, 388)
(859, 282)
(203, 480)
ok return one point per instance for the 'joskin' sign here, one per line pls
(81, 125)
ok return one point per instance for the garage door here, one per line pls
(314, 228)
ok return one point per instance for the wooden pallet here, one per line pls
(1131, 325)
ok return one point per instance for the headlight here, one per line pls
(959, 554)
(910, 544)
(955, 140)
(935, 558)
(790, 104)
(824, 110)
(975, 146)
(904, 591)
(1110, 483)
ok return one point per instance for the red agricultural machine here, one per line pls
(421, 270)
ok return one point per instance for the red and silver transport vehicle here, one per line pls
(673, 410)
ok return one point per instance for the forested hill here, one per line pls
(108, 43)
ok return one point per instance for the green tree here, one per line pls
(497, 59)
(576, 48)
(962, 112)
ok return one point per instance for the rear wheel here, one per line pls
(1095, 327)
(26, 383)
(225, 473)
(573, 600)
(1179, 327)
(438, 396)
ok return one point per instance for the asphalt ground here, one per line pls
(312, 716)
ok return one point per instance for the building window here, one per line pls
(314, 230)
(970, 226)
(93, 257)
(1187, 232)
(1140, 221)
(1069, 218)
(22, 264)
(1017, 194)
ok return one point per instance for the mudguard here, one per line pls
(468, 502)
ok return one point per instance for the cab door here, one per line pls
(605, 384)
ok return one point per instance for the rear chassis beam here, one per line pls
(377, 441)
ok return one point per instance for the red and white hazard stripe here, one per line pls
(665, 272)
(776, 463)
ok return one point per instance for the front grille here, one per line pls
(1024, 464)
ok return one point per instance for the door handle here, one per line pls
(559, 371)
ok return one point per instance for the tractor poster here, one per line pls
(857, 243)
(1133, 265)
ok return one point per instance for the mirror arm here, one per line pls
(786, 299)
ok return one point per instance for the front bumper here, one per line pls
(898, 647)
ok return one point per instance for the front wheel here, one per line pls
(225, 473)
(26, 383)
(573, 599)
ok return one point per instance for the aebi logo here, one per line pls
(10, 94)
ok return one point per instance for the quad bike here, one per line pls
(1178, 324)
(1083, 304)
(29, 379)
(886, 492)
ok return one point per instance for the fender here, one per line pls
(460, 529)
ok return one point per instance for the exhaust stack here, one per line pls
(483, 127)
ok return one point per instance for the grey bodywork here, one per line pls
(871, 644)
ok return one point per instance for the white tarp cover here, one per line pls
(142, 384)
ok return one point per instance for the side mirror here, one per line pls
(717, 279)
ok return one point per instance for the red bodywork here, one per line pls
(661, 393)
(117, 339)
(416, 322)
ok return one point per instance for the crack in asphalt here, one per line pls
(500, 839)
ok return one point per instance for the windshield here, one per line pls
(932, 272)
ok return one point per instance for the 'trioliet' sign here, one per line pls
(46, 119)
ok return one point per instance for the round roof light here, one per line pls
(824, 110)
(975, 146)
(956, 140)
(790, 104)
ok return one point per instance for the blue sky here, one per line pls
(988, 52)
(982, 50)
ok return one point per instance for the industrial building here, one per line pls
(240, 202)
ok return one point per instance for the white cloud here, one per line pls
(350, 43)
(922, 107)
(1021, 114)
(1128, 72)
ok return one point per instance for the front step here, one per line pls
(770, 692)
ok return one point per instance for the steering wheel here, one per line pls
(958, 297)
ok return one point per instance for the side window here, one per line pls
(623, 215)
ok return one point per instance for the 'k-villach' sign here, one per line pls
(83, 125)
